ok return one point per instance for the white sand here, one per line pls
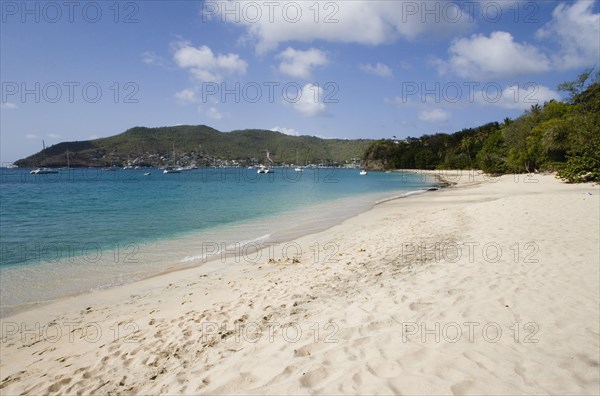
(361, 318)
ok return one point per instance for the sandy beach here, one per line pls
(491, 286)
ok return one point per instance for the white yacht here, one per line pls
(43, 171)
(170, 169)
(264, 169)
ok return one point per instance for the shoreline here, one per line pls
(366, 284)
(194, 260)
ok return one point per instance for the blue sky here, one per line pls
(346, 69)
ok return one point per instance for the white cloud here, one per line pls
(365, 22)
(186, 96)
(577, 30)
(214, 113)
(204, 65)
(517, 98)
(8, 106)
(380, 69)
(32, 136)
(287, 131)
(150, 58)
(490, 57)
(434, 115)
(297, 63)
(310, 101)
(53, 136)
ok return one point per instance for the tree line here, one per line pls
(557, 136)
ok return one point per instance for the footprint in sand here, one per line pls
(418, 305)
(384, 368)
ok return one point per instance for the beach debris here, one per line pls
(362, 250)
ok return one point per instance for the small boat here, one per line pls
(40, 170)
(147, 174)
(362, 172)
(298, 168)
(170, 169)
(388, 171)
(264, 169)
(43, 171)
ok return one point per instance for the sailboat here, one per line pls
(266, 169)
(171, 169)
(43, 170)
(298, 168)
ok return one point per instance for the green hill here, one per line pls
(554, 136)
(199, 145)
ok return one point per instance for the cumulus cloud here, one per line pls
(186, 96)
(287, 131)
(214, 113)
(310, 101)
(297, 63)
(365, 22)
(577, 31)
(496, 56)
(437, 116)
(150, 58)
(204, 65)
(379, 69)
(517, 98)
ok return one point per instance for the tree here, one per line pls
(576, 87)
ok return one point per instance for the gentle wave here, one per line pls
(237, 245)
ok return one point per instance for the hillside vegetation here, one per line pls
(558, 136)
(199, 145)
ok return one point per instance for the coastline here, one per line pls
(175, 253)
(359, 294)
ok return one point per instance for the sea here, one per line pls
(84, 229)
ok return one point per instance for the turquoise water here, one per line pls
(85, 229)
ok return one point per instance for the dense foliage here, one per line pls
(198, 144)
(558, 136)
